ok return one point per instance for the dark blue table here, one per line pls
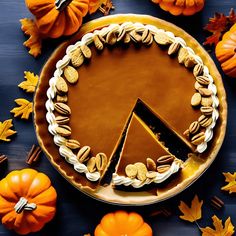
(77, 214)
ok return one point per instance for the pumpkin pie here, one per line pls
(92, 125)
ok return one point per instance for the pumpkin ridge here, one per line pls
(25, 186)
(46, 25)
(45, 200)
(59, 24)
(81, 5)
(5, 194)
(44, 185)
(71, 19)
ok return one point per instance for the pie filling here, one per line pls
(175, 114)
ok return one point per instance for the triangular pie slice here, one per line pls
(140, 144)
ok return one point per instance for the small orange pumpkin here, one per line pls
(55, 18)
(122, 223)
(27, 201)
(178, 7)
(226, 52)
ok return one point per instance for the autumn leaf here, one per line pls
(231, 180)
(34, 43)
(95, 4)
(232, 17)
(220, 230)
(192, 213)
(24, 109)
(5, 130)
(218, 25)
(31, 81)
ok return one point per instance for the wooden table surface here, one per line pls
(78, 214)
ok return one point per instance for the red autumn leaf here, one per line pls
(213, 39)
(232, 16)
(218, 25)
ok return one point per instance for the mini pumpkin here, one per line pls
(122, 223)
(226, 52)
(55, 18)
(27, 201)
(178, 7)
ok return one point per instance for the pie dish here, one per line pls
(126, 93)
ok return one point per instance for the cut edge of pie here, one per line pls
(141, 147)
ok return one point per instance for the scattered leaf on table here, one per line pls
(24, 109)
(231, 180)
(95, 4)
(192, 213)
(218, 25)
(34, 43)
(220, 230)
(30, 83)
(5, 130)
(232, 16)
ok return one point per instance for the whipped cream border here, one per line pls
(136, 183)
(87, 39)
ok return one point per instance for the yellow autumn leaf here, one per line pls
(192, 213)
(220, 230)
(34, 42)
(5, 130)
(231, 180)
(24, 109)
(30, 83)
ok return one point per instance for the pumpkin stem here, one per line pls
(61, 4)
(23, 204)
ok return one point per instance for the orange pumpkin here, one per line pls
(226, 52)
(55, 18)
(27, 201)
(122, 223)
(178, 7)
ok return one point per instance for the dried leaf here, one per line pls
(34, 43)
(232, 17)
(192, 213)
(220, 230)
(218, 25)
(231, 180)
(95, 4)
(31, 81)
(24, 110)
(5, 130)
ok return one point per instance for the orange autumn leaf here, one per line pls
(231, 180)
(34, 42)
(24, 109)
(30, 83)
(5, 130)
(192, 213)
(218, 25)
(95, 4)
(220, 230)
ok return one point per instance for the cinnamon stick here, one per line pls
(33, 155)
(3, 158)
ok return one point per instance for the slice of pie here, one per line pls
(143, 158)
